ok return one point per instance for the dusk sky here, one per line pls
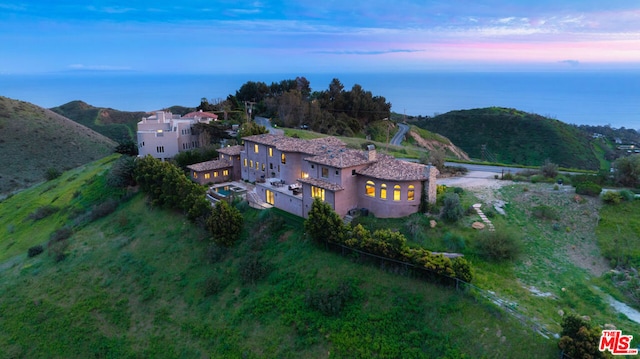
(317, 36)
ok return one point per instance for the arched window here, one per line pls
(383, 191)
(411, 193)
(370, 189)
(396, 192)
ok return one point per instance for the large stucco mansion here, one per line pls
(289, 173)
(164, 134)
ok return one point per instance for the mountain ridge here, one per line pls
(514, 137)
(34, 139)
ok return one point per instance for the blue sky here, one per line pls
(317, 36)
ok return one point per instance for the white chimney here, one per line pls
(371, 152)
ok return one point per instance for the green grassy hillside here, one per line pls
(117, 125)
(33, 140)
(515, 137)
(143, 282)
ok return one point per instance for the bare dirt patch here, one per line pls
(575, 227)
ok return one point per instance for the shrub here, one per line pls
(579, 339)
(627, 195)
(103, 209)
(60, 234)
(121, 173)
(588, 189)
(452, 209)
(549, 169)
(330, 302)
(225, 224)
(453, 242)
(34, 251)
(544, 212)
(462, 268)
(212, 286)
(507, 176)
(52, 173)
(252, 269)
(324, 224)
(498, 245)
(611, 197)
(43, 212)
(458, 190)
(58, 243)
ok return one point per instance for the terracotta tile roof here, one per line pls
(391, 169)
(341, 158)
(315, 146)
(201, 114)
(231, 150)
(322, 184)
(210, 165)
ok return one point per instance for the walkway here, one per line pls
(484, 217)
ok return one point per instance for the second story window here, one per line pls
(255, 148)
(270, 151)
(325, 172)
(283, 158)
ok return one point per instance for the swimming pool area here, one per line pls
(226, 190)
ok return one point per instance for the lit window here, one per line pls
(325, 172)
(317, 192)
(263, 167)
(411, 194)
(283, 159)
(255, 148)
(370, 189)
(195, 174)
(207, 175)
(245, 162)
(383, 191)
(304, 175)
(257, 164)
(215, 174)
(225, 172)
(270, 151)
(396, 192)
(270, 197)
(251, 163)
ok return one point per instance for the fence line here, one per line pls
(406, 268)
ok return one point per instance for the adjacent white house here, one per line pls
(163, 135)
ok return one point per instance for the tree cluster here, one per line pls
(332, 111)
(325, 225)
(167, 186)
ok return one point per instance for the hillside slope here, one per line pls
(514, 137)
(143, 282)
(432, 141)
(117, 125)
(34, 139)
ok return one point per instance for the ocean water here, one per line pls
(592, 98)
